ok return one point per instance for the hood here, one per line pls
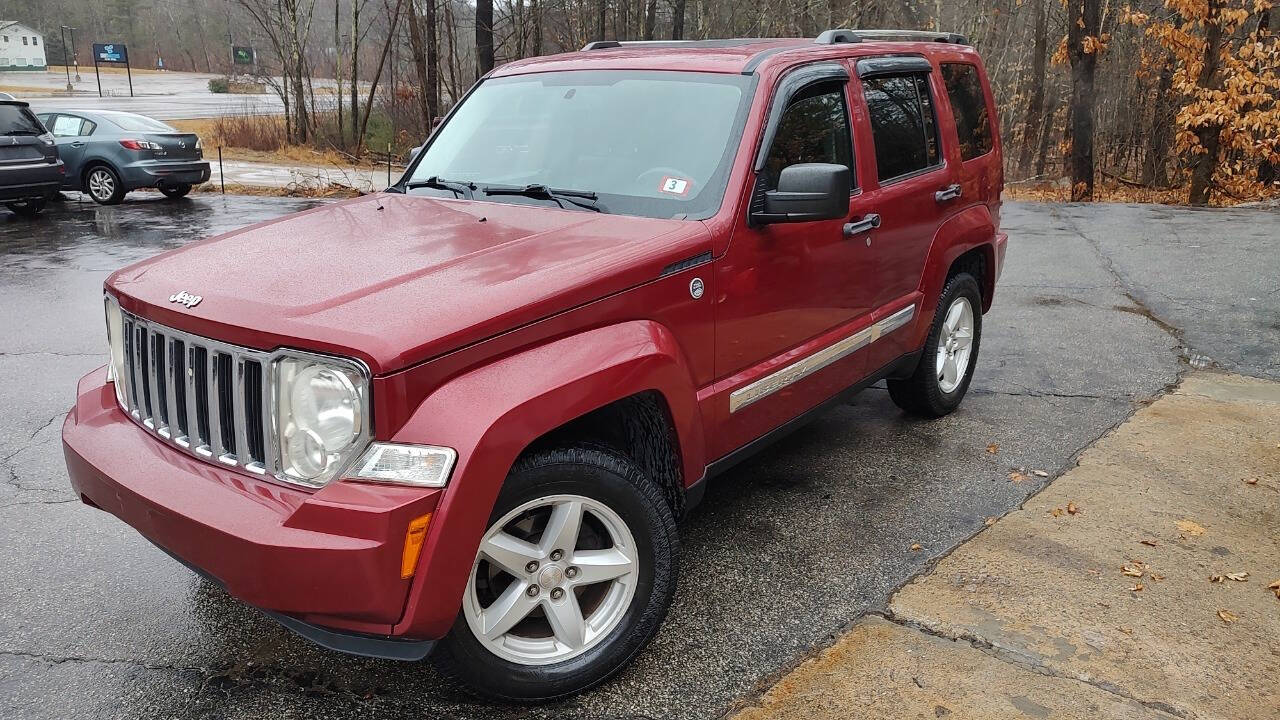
(397, 279)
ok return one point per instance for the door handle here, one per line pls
(870, 221)
(950, 192)
(77, 144)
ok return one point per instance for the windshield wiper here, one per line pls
(458, 187)
(559, 196)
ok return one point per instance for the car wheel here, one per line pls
(27, 208)
(173, 192)
(942, 377)
(572, 578)
(104, 186)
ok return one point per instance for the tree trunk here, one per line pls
(355, 65)
(418, 46)
(535, 43)
(377, 74)
(1046, 131)
(484, 37)
(1083, 20)
(1035, 108)
(600, 17)
(432, 89)
(677, 20)
(337, 65)
(650, 18)
(1154, 172)
(1205, 163)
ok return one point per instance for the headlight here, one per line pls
(322, 417)
(115, 338)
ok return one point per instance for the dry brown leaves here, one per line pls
(1190, 529)
(1275, 588)
(1149, 543)
(1251, 481)
(1227, 616)
(993, 448)
(915, 547)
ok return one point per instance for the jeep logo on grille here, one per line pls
(185, 298)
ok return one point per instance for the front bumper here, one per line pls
(327, 561)
(154, 174)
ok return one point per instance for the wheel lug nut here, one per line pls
(557, 554)
(557, 594)
(531, 566)
(532, 591)
(571, 572)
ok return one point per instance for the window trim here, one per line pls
(937, 132)
(991, 131)
(792, 84)
(855, 187)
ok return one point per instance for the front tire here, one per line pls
(950, 353)
(573, 577)
(103, 186)
(27, 208)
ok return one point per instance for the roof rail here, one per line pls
(832, 37)
(709, 43)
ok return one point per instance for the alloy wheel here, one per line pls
(101, 184)
(552, 578)
(955, 342)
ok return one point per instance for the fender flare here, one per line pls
(489, 415)
(970, 228)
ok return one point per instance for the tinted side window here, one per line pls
(902, 124)
(814, 129)
(969, 107)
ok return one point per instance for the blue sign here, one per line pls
(111, 52)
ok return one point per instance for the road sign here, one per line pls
(111, 52)
(115, 53)
(242, 55)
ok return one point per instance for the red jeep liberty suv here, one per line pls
(465, 414)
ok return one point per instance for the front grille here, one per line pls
(208, 398)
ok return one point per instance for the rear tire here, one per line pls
(27, 208)
(950, 353)
(173, 192)
(564, 635)
(103, 185)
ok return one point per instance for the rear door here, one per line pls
(914, 188)
(981, 172)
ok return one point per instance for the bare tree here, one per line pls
(484, 37)
(1084, 20)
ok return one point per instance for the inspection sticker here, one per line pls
(675, 186)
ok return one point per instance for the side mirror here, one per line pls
(413, 154)
(807, 192)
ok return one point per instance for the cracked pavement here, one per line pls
(1099, 311)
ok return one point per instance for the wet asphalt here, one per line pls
(1099, 309)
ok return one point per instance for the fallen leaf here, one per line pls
(1227, 616)
(1040, 473)
(989, 521)
(993, 448)
(915, 547)
(1148, 543)
(1238, 576)
(1190, 528)
(1072, 509)
(1104, 605)
(1275, 588)
(1156, 576)
(1217, 578)
(1017, 477)
(1251, 481)
(1131, 572)
(1136, 588)
(1056, 512)
(1125, 630)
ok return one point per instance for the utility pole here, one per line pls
(75, 56)
(66, 59)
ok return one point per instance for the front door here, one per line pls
(789, 293)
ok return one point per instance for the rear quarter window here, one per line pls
(969, 108)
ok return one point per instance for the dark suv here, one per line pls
(465, 415)
(30, 171)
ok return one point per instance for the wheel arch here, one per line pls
(95, 162)
(579, 387)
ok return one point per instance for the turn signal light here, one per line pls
(413, 539)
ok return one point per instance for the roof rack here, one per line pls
(712, 43)
(832, 37)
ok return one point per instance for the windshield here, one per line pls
(18, 120)
(657, 144)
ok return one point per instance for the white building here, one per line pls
(21, 48)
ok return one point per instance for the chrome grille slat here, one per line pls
(167, 386)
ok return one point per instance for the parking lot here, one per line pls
(1100, 308)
